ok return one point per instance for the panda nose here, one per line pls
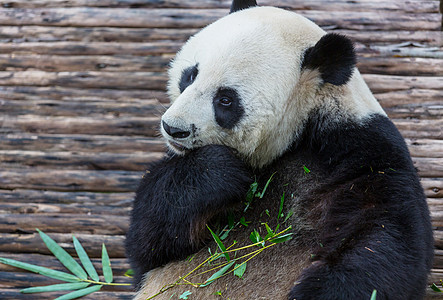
(175, 132)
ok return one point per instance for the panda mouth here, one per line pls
(178, 147)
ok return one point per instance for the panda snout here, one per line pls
(175, 132)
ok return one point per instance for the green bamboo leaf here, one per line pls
(80, 293)
(217, 274)
(268, 229)
(280, 210)
(282, 238)
(374, 295)
(220, 244)
(130, 272)
(106, 264)
(185, 295)
(84, 258)
(255, 237)
(239, 269)
(40, 270)
(260, 195)
(435, 288)
(307, 171)
(56, 287)
(63, 256)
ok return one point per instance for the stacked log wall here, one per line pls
(82, 87)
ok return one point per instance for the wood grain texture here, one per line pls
(82, 86)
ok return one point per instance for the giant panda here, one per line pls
(262, 93)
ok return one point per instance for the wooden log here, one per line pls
(78, 198)
(14, 294)
(425, 147)
(420, 128)
(433, 187)
(367, 37)
(138, 126)
(410, 97)
(183, 18)
(93, 79)
(425, 6)
(56, 63)
(367, 63)
(39, 208)
(400, 66)
(119, 265)
(20, 34)
(70, 180)
(426, 111)
(65, 223)
(136, 161)
(93, 48)
(79, 143)
(24, 279)
(101, 109)
(128, 126)
(429, 166)
(156, 81)
(389, 83)
(400, 106)
(34, 34)
(78, 94)
(92, 243)
(407, 50)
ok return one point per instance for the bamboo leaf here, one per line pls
(56, 287)
(40, 270)
(307, 171)
(106, 265)
(239, 269)
(220, 244)
(84, 258)
(255, 237)
(280, 210)
(435, 288)
(80, 293)
(217, 274)
(185, 295)
(374, 295)
(268, 229)
(282, 238)
(266, 186)
(63, 256)
(130, 272)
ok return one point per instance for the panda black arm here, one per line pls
(176, 199)
(374, 229)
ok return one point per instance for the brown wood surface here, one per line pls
(82, 86)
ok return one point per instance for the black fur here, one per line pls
(227, 108)
(175, 200)
(242, 4)
(370, 213)
(188, 77)
(333, 56)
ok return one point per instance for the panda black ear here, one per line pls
(241, 4)
(333, 56)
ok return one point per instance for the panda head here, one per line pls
(251, 79)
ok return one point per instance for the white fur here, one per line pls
(258, 52)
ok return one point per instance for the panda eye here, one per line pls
(188, 77)
(225, 101)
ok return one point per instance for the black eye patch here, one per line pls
(227, 108)
(188, 77)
